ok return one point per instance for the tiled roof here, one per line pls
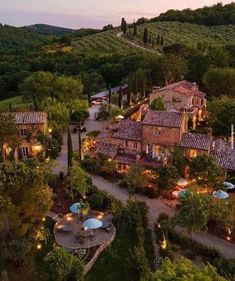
(183, 87)
(196, 141)
(28, 118)
(163, 118)
(225, 159)
(125, 159)
(128, 129)
(107, 149)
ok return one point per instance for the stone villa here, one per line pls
(150, 140)
(29, 124)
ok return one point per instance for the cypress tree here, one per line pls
(158, 39)
(145, 36)
(70, 149)
(120, 98)
(110, 93)
(129, 91)
(135, 29)
(150, 39)
(122, 24)
(153, 43)
(162, 41)
(124, 27)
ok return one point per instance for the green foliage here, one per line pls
(135, 178)
(221, 115)
(205, 171)
(184, 270)
(217, 14)
(50, 144)
(167, 177)
(158, 104)
(77, 182)
(58, 114)
(220, 81)
(24, 200)
(8, 131)
(96, 201)
(112, 73)
(179, 160)
(63, 266)
(195, 211)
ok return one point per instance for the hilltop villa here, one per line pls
(150, 140)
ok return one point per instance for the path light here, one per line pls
(228, 238)
(50, 130)
(44, 219)
(39, 246)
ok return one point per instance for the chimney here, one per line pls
(194, 86)
(209, 133)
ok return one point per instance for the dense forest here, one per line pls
(218, 14)
(49, 29)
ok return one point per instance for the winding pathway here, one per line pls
(156, 206)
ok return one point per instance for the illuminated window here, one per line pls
(157, 132)
(192, 153)
(135, 145)
(157, 149)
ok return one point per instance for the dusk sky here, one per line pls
(87, 13)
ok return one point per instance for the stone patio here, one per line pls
(70, 234)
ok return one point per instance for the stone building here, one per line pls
(183, 95)
(29, 124)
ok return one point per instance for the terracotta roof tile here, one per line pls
(107, 149)
(30, 117)
(125, 159)
(163, 119)
(184, 87)
(196, 141)
(128, 129)
(225, 159)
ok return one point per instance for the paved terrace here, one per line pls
(75, 237)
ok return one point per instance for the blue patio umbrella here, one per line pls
(182, 182)
(228, 185)
(75, 208)
(220, 194)
(92, 224)
(183, 192)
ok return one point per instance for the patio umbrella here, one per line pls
(92, 224)
(75, 208)
(228, 185)
(220, 194)
(120, 117)
(182, 182)
(182, 192)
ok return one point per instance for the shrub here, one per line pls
(92, 165)
(52, 180)
(96, 201)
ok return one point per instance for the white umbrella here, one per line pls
(228, 185)
(220, 194)
(92, 224)
(182, 182)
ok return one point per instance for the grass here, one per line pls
(113, 264)
(15, 102)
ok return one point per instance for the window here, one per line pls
(135, 145)
(25, 151)
(193, 153)
(23, 132)
(202, 102)
(126, 143)
(157, 132)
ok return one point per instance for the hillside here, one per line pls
(18, 40)
(218, 14)
(186, 33)
(103, 42)
(50, 29)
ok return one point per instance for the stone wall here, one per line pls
(89, 265)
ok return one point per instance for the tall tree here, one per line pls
(158, 39)
(162, 41)
(110, 93)
(122, 24)
(158, 104)
(125, 27)
(70, 149)
(129, 89)
(145, 36)
(120, 97)
(37, 86)
(167, 177)
(9, 132)
(135, 29)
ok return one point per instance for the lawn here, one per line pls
(114, 263)
(15, 102)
